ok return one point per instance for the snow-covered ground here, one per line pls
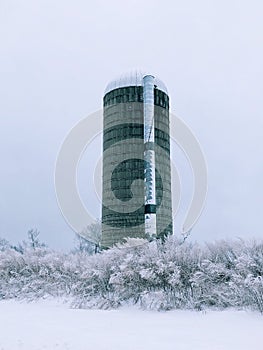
(53, 325)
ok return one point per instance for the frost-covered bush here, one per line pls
(160, 276)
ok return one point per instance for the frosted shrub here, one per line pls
(155, 275)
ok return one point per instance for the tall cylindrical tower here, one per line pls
(136, 189)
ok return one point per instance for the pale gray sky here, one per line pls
(56, 57)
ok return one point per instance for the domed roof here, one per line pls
(133, 78)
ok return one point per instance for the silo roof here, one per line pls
(133, 78)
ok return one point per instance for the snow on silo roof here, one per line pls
(133, 78)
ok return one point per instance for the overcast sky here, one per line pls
(56, 57)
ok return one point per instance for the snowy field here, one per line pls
(53, 325)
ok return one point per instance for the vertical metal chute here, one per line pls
(149, 157)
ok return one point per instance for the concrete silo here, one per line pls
(136, 189)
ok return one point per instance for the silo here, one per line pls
(136, 188)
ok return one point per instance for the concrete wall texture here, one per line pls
(123, 188)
